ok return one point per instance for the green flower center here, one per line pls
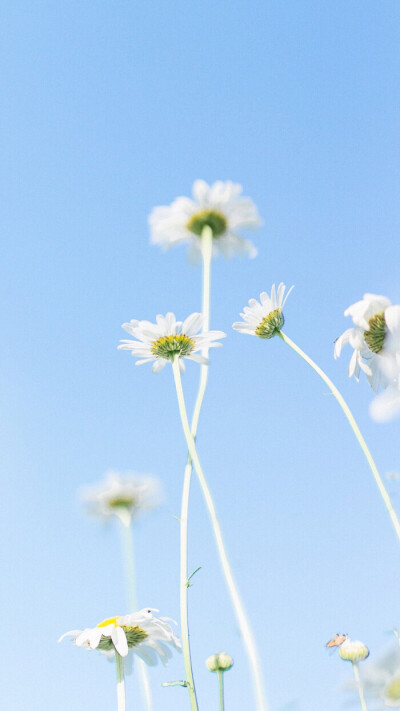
(134, 636)
(120, 502)
(207, 218)
(270, 325)
(392, 691)
(375, 335)
(171, 346)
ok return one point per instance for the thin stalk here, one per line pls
(206, 251)
(129, 561)
(119, 664)
(220, 674)
(183, 582)
(353, 424)
(241, 616)
(359, 686)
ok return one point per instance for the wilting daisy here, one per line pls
(149, 637)
(375, 338)
(123, 495)
(264, 318)
(220, 207)
(169, 339)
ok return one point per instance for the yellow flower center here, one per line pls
(207, 218)
(270, 325)
(170, 346)
(109, 621)
(375, 335)
(121, 501)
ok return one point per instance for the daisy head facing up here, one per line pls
(264, 318)
(375, 339)
(168, 339)
(125, 495)
(219, 207)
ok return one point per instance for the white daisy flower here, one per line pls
(375, 339)
(168, 338)
(219, 206)
(149, 637)
(123, 495)
(264, 318)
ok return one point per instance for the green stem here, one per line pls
(354, 427)
(129, 560)
(221, 689)
(359, 686)
(206, 251)
(183, 581)
(119, 663)
(241, 616)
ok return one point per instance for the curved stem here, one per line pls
(221, 689)
(241, 616)
(359, 686)
(206, 251)
(183, 582)
(119, 663)
(354, 427)
(129, 560)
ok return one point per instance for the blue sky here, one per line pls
(108, 110)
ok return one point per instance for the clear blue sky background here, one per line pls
(110, 108)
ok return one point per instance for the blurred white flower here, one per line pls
(381, 680)
(219, 206)
(163, 341)
(386, 405)
(123, 495)
(265, 318)
(375, 339)
(140, 632)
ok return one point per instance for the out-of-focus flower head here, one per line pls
(124, 495)
(220, 207)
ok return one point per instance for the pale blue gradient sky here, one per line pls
(108, 110)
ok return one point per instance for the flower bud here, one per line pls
(353, 651)
(219, 662)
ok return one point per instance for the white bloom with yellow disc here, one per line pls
(264, 318)
(146, 635)
(168, 339)
(219, 207)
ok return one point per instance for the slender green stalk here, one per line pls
(220, 675)
(183, 581)
(119, 663)
(353, 424)
(241, 616)
(359, 686)
(129, 560)
(206, 251)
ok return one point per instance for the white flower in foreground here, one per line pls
(146, 636)
(123, 495)
(264, 318)
(219, 206)
(168, 338)
(375, 339)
